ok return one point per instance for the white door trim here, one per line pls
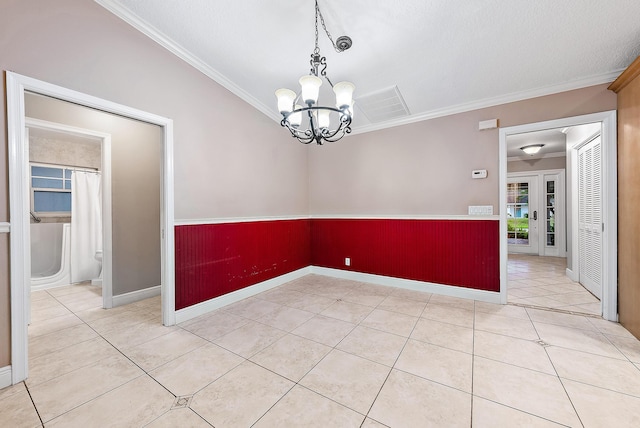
(105, 142)
(18, 185)
(610, 207)
(533, 247)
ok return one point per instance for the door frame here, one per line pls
(608, 119)
(19, 216)
(104, 139)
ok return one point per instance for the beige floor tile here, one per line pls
(251, 308)
(610, 328)
(438, 364)
(544, 302)
(451, 315)
(364, 298)
(94, 314)
(411, 401)
(304, 408)
(137, 334)
(84, 304)
(350, 380)
(156, 352)
(391, 322)
(311, 303)
(291, 356)
(381, 290)
(241, 397)
(629, 347)
(576, 298)
(215, 325)
(520, 328)
(370, 423)
(529, 292)
(66, 360)
(55, 341)
(40, 328)
(44, 303)
(420, 296)
(192, 371)
(487, 414)
(374, 345)
(599, 407)
(249, 339)
(330, 291)
(59, 395)
(133, 404)
(454, 302)
(603, 372)
(526, 390)
(280, 296)
(589, 308)
(443, 334)
(285, 318)
(85, 293)
(122, 320)
(558, 318)
(12, 389)
(17, 411)
(183, 418)
(67, 289)
(580, 340)
(49, 313)
(518, 352)
(402, 305)
(325, 330)
(40, 295)
(347, 311)
(502, 310)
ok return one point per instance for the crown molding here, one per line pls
(173, 47)
(626, 77)
(493, 101)
(182, 53)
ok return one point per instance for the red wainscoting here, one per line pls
(215, 259)
(455, 252)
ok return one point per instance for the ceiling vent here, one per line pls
(383, 105)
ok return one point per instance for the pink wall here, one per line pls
(425, 167)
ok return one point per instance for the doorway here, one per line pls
(547, 226)
(17, 87)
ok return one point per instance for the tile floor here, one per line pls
(323, 352)
(542, 282)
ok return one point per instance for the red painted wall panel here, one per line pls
(454, 252)
(215, 259)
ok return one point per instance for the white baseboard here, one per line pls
(573, 276)
(429, 287)
(134, 296)
(202, 308)
(5, 377)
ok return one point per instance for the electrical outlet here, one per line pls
(347, 261)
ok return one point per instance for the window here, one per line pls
(50, 189)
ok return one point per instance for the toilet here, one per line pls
(98, 280)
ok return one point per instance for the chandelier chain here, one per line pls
(324, 27)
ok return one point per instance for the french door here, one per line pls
(522, 214)
(535, 213)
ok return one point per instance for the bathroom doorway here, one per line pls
(69, 173)
(19, 88)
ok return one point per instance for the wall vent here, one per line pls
(382, 105)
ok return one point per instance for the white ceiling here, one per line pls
(445, 56)
(554, 141)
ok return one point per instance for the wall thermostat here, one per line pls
(479, 173)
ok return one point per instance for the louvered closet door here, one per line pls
(590, 216)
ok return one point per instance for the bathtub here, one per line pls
(50, 255)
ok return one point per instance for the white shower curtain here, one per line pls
(86, 225)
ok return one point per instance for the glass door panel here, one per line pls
(518, 213)
(550, 187)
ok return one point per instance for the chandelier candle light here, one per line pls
(318, 118)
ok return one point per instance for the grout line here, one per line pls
(34, 403)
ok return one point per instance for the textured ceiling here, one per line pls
(445, 56)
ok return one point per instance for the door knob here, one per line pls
(535, 215)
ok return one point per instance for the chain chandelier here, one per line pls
(318, 119)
